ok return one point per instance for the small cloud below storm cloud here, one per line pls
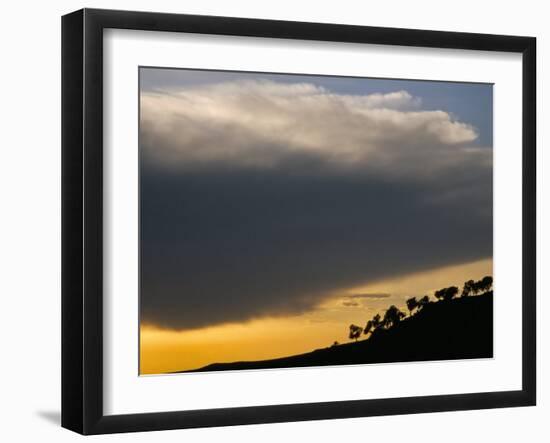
(356, 300)
(372, 295)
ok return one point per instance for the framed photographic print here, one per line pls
(268, 221)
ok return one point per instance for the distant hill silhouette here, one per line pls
(460, 328)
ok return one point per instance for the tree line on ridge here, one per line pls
(394, 315)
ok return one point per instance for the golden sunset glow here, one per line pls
(165, 350)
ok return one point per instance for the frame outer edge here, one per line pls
(93, 222)
(529, 126)
(72, 117)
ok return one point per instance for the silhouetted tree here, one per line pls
(446, 294)
(451, 293)
(485, 284)
(392, 316)
(412, 304)
(423, 302)
(468, 288)
(368, 327)
(376, 321)
(355, 332)
(335, 344)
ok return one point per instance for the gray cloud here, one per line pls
(260, 199)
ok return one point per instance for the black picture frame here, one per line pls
(82, 221)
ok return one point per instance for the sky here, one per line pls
(275, 209)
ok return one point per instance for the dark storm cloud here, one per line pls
(227, 247)
(239, 222)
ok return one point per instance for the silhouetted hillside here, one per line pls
(461, 328)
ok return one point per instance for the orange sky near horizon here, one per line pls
(164, 350)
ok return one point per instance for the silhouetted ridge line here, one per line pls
(454, 328)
